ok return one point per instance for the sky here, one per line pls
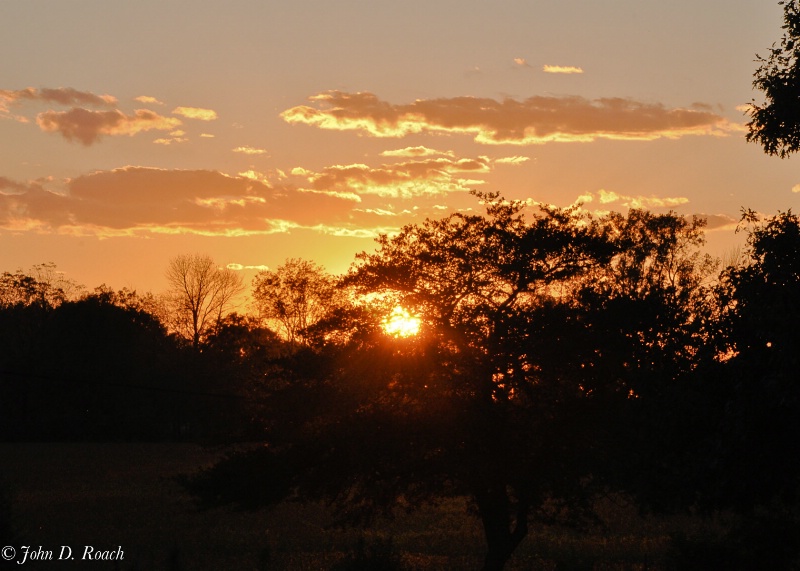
(256, 131)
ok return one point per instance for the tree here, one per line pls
(295, 296)
(461, 408)
(508, 393)
(202, 293)
(762, 394)
(43, 285)
(775, 124)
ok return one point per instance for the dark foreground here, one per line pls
(124, 498)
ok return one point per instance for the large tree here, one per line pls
(775, 124)
(502, 396)
(202, 293)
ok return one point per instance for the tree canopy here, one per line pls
(535, 331)
(775, 123)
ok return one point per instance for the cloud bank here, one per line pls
(533, 121)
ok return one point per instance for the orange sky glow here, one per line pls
(255, 132)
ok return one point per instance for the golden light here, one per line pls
(400, 323)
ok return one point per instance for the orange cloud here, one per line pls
(719, 221)
(535, 120)
(250, 151)
(419, 151)
(566, 69)
(61, 95)
(607, 197)
(138, 200)
(148, 100)
(196, 113)
(406, 179)
(89, 126)
(516, 160)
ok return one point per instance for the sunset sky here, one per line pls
(254, 131)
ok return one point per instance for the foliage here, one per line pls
(539, 339)
(761, 313)
(43, 285)
(775, 124)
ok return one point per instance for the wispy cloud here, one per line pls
(565, 69)
(419, 151)
(195, 113)
(148, 100)
(516, 160)
(89, 126)
(250, 150)
(535, 120)
(239, 267)
(608, 198)
(60, 95)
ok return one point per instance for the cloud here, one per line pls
(606, 197)
(195, 113)
(535, 120)
(139, 201)
(60, 95)
(148, 100)
(565, 69)
(521, 62)
(796, 188)
(90, 126)
(239, 267)
(428, 177)
(719, 221)
(516, 160)
(416, 152)
(250, 151)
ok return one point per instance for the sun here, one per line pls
(400, 323)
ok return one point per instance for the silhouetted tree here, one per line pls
(202, 293)
(461, 407)
(762, 425)
(43, 284)
(545, 344)
(775, 124)
(294, 296)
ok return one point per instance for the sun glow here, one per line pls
(400, 323)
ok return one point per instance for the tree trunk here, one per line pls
(503, 532)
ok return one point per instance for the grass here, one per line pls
(109, 495)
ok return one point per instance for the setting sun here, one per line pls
(401, 323)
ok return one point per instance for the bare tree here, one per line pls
(296, 295)
(202, 293)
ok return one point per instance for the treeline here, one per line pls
(106, 365)
(559, 357)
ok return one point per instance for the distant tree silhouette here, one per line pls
(775, 124)
(202, 293)
(43, 284)
(294, 297)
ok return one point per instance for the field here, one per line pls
(125, 495)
